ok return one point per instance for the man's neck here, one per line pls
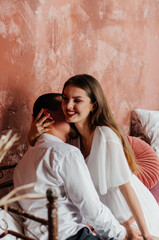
(57, 134)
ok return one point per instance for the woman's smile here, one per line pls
(70, 113)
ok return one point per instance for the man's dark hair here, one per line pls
(51, 101)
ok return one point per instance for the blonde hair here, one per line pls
(102, 116)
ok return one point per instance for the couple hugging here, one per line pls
(105, 193)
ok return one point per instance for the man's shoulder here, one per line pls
(56, 150)
(54, 146)
(65, 148)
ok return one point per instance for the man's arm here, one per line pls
(81, 191)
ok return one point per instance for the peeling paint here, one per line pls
(7, 8)
(118, 15)
(2, 29)
(13, 28)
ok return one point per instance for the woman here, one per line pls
(109, 157)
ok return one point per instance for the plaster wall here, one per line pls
(44, 42)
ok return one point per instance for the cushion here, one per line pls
(147, 161)
(146, 123)
(136, 128)
(155, 191)
(12, 224)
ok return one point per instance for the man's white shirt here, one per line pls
(51, 163)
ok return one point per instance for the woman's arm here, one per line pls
(38, 127)
(134, 205)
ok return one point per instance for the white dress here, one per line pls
(109, 169)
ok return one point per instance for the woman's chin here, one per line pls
(70, 120)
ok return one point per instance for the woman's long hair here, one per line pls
(102, 116)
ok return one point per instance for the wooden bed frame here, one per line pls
(51, 222)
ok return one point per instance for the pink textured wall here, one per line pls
(44, 42)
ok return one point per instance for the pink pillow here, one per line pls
(155, 191)
(147, 160)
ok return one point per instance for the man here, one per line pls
(54, 163)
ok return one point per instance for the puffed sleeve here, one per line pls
(107, 162)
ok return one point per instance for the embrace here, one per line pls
(96, 180)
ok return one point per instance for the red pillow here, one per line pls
(147, 160)
(155, 191)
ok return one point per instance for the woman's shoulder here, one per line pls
(106, 130)
(108, 134)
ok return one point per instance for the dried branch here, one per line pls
(6, 142)
(8, 198)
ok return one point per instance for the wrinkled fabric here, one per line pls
(53, 163)
(108, 163)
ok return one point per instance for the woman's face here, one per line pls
(76, 105)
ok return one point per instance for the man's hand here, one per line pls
(39, 126)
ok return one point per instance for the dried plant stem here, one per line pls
(8, 198)
(6, 142)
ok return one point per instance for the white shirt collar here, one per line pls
(49, 137)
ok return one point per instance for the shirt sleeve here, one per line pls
(81, 191)
(107, 162)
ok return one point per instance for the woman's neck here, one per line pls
(84, 131)
(86, 144)
(86, 138)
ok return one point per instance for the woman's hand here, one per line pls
(132, 233)
(134, 205)
(39, 126)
